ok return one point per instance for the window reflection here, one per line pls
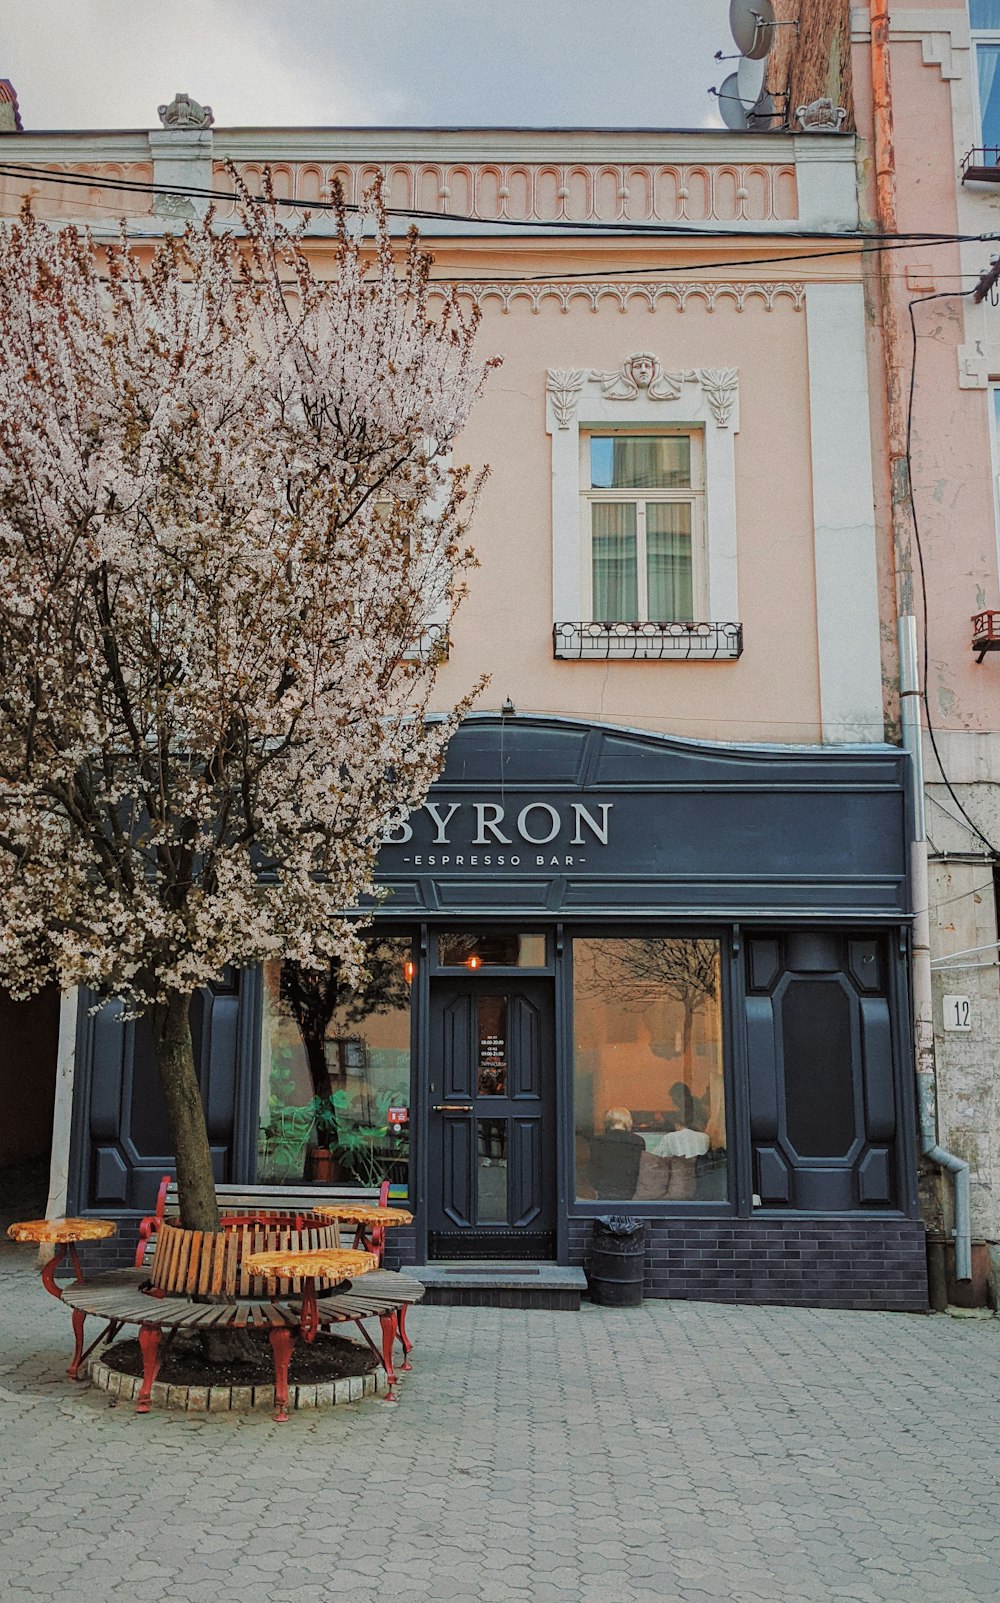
(335, 1073)
(648, 1078)
(504, 949)
(491, 1170)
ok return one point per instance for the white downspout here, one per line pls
(923, 1006)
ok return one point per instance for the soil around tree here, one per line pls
(328, 1358)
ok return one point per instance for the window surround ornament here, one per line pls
(643, 393)
(642, 374)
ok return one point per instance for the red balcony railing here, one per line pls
(981, 165)
(985, 633)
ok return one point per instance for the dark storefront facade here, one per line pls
(615, 973)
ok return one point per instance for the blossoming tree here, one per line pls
(227, 519)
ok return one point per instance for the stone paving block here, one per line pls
(694, 1453)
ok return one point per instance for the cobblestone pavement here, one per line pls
(679, 1451)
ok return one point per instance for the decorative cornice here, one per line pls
(379, 145)
(711, 293)
(545, 192)
(942, 34)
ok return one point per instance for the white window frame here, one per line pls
(993, 394)
(692, 496)
(706, 401)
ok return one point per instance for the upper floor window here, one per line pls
(430, 576)
(643, 522)
(995, 455)
(644, 511)
(985, 18)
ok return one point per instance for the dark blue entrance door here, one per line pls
(491, 1149)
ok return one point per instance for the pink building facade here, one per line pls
(647, 947)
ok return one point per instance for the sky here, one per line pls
(535, 63)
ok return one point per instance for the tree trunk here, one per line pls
(319, 1073)
(687, 1039)
(171, 1022)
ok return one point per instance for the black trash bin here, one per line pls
(617, 1261)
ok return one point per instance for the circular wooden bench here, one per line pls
(125, 1297)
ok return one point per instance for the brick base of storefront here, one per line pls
(828, 1263)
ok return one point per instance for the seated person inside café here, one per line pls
(657, 1164)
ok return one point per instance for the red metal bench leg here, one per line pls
(404, 1338)
(79, 1321)
(149, 1343)
(282, 1345)
(389, 1329)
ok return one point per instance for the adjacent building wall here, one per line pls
(952, 476)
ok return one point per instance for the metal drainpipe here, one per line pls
(896, 349)
(923, 1011)
(895, 353)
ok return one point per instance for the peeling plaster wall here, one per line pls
(958, 354)
(964, 916)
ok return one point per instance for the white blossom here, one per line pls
(226, 516)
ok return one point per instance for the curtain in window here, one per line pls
(615, 566)
(984, 14)
(669, 577)
(987, 62)
(654, 462)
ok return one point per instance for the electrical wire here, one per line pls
(967, 951)
(977, 890)
(28, 170)
(920, 300)
(595, 272)
(858, 243)
(694, 267)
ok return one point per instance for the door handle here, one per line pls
(452, 1107)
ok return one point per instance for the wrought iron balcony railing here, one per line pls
(433, 645)
(985, 633)
(981, 165)
(628, 642)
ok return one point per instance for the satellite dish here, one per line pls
(730, 105)
(750, 80)
(760, 119)
(751, 23)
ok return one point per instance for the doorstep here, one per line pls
(493, 1283)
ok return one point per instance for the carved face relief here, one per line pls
(641, 367)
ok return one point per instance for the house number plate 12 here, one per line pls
(957, 1012)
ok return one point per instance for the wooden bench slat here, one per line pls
(206, 1263)
(180, 1263)
(219, 1263)
(287, 1198)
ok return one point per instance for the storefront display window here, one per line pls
(649, 1094)
(335, 1073)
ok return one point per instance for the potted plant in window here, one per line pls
(365, 1148)
(323, 1165)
